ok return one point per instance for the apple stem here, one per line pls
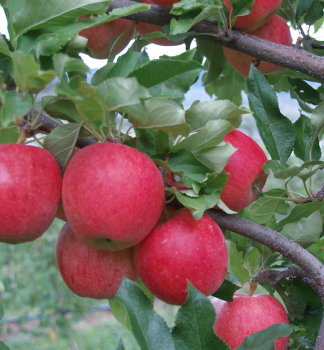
(22, 137)
(253, 287)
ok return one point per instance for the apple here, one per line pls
(99, 37)
(166, 3)
(262, 10)
(30, 192)
(246, 315)
(247, 178)
(182, 248)
(276, 30)
(92, 273)
(113, 195)
(145, 28)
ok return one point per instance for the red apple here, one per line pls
(247, 178)
(113, 195)
(166, 3)
(275, 30)
(89, 272)
(30, 192)
(246, 315)
(99, 37)
(145, 28)
(262, 10)
(181, 249)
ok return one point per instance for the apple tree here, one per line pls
(134, 105)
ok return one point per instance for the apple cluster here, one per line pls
(113, 198)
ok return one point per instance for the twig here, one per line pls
(306, 37)
(278, 276)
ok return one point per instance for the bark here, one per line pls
(285, 56)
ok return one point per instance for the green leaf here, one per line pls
(4, 48)
(318, 117)
(305, 92)
(61, 109)
(1, 310)
(265, 339)
(305, 139)
(301, 211)
(226, 291)
(228, 86)
(120, 345)
(151, 142)
(61, 142)
(209, 136)
(167, 78)
(102, 74)
(118, 93)
(146, 291)
(127, 63)
(15, 105)
(302, 8)
(241, 7)
(274, 166)
(9, 135)
(186, 21)
(216, 157)
(275, 129)
(263, 209)
(194, 324)
(3, 346)
(65, 64)
(317, 249)
(149, 328)
(215, 57)
(200, 113)
(306, 231)
(163, 115)
(42, 13)
(27, 73)
(120, 313)
(187, 166)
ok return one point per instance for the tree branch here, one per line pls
(278, 276)
(285, 56)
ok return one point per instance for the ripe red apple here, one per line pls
(30, 192)
(145, 28)
(181, 249)
(246, 315)
(92, 273)
(247, 178)
(275, 30)
(166, 3)
(113, 195)
(99, 37)
(262, 10)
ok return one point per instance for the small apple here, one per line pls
(246, 315)
(92, 273)
(145, 28)
(276, 30)
(113, 195)
(247, 178)
(262, 10)
(99, 37)
(30, 192)
(182, 248)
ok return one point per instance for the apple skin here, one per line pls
(113, 195)
(245, 169)
(30, 187)
(100, 36)
(181, 249)
(261, 12)
(145, 28)
(276, 30)
(246, 315)
(92, 273)
(166, 3)
(245, 172)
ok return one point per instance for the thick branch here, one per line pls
(261, 49)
